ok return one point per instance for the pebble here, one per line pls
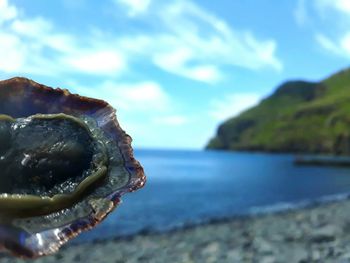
(324, 234)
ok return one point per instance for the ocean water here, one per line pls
(189, 187)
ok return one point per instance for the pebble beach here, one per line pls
(315, 234)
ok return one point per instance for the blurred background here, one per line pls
(236, 108)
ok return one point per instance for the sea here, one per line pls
(193, 187)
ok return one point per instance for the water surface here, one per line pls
(186, 187)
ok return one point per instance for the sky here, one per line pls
(174, 70)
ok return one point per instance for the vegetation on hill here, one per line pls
(300, 116)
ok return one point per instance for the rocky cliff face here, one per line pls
(300, 116)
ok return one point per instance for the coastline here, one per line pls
(319, 233)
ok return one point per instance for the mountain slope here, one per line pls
(299, 116)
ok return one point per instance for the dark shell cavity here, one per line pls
(65, 163)
(60, 157)
(60, 150)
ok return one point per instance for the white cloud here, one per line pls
(12, 53)
(335, 36)
(62, 43)
(31, 27)
(99, 62)
(7, 11)
(233, 105)
(33, 45)
(300, 13)
(139, 97)
(338, 5)
(345, 43)
(146, 96)
(171, 120)
(199, 44)
(343, 5)
(329, 44)
(135, 7)
(186, 40)
(177, 61)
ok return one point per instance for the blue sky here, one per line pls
(173, 69)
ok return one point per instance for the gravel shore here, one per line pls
(318, 234)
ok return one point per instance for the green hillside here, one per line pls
(299, 116)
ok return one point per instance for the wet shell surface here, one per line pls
(64, 164)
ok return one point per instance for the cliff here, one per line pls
(300, 116)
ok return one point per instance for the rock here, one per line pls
(292, 253)
(77, 258)
(247, 244)
(326, 233)
(212, 248)
(346, 256)
(267, 259)
(294, 235)
(264, 247)
(235, 255)
(316, 255)
(300, 255)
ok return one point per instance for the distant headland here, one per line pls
(299, 117)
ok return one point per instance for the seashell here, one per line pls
(64, 165)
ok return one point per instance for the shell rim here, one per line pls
(137, 176)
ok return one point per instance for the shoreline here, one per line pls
(320, 233)
(275, 209)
